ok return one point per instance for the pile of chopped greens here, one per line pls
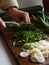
(22, 37)
(25, 33)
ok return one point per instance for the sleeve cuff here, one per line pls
(9, 3)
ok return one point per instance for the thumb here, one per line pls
(2, 24)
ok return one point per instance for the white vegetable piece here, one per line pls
(43, 42)
(45, 53)
(30, 45)
(47, 45)
(24, 54)
(45, 49)
(29, 51)
(36, 56)
(40, 47)
(34, 45)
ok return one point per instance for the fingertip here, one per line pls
(2, 24)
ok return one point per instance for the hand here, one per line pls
(2, 24)
(19, 16)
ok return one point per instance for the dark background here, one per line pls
(46, 5)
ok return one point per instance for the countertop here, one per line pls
(5, 59)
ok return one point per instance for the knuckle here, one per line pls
(26, 14)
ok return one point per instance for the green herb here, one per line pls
(25, 36)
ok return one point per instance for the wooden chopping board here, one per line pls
(16, 52)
